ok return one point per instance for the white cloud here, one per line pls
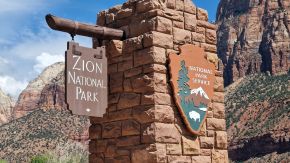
(3, 61)
(46, 59)
(15, 15)
(36, 43)
(19, 5)
(24, 36)
(27, 58)
(11, 86)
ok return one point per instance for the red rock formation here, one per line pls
(47, 92)
(53, 94)
(30, 98)
(43, 97)
(6, 107)
(253, 36)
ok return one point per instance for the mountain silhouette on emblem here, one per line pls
(197, 96)
(199, 91)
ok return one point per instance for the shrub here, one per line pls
(64, 153)
(54, 158)
(40, 159)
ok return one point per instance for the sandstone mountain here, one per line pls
(6, 108)
(253, 36)
(34, 94)
(257, 114)
(45, 122)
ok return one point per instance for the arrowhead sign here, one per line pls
(192, 79)
(86, 80)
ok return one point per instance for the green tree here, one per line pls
(184, 89)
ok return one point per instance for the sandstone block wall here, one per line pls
(142, 123)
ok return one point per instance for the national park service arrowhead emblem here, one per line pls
(192, 79)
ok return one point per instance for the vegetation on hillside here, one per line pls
(67, 153)
(262, 101)
(40, 132)
(272, 157)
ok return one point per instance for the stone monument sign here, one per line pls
(142, 123)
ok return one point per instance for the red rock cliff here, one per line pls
(40, 90)
(253, 36)
(41, 117)
(6, 107)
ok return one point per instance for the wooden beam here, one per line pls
(77, 28)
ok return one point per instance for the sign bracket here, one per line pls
(77, 28)
(86, 74)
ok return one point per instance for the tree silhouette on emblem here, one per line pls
(183, 86)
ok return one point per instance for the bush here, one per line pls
(40, 159)
(64, 153)
(53, 158)
(3, 161)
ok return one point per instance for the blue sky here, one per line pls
(27, 45)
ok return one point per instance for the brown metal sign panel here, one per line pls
(192, 79)
(86, 80)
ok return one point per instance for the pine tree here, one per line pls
(184, 89)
